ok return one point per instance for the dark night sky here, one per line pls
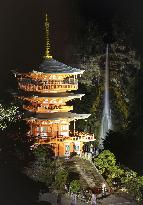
(22, 29)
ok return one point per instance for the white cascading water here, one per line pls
(106, 123)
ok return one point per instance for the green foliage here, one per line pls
(114, 174)
(133, 183)
(43, 152)
(124, 65)
(75, 186)
(121, 103)
(92, 70)
(15, 145)
(7, 115)
(105, 161)
(61, 180)
(42, 171)
(117, 141)
(128, 179)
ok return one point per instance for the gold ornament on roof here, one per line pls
(47, 50)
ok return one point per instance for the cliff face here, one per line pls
(124, 66)
(125, 84)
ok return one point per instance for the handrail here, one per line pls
(32, 87)
(51, 139)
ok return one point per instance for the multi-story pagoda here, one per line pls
(45, 92)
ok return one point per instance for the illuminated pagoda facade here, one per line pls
(44, 93)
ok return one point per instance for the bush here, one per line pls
(61, 180)
(128, 179)
(44, 152)
(75, 186)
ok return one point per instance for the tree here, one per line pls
(15, 145)
(106, 164)
(117, 141)
(61, 180)
(133, 183)
(44, 152)
(75, 186)
(105, 161)
(8, 115)
(15, 154)
(126, 178)
(124, 65)
(42, 171)
(43, 168)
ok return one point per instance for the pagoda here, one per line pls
(44, 93)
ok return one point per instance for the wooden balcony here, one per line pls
(48, 88)
(61, 109)
(59, 139)
(48, 110)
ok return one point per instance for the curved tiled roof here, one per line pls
(56, 116)
(48, 95)
(49, 65)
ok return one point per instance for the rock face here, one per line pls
(52, 199)
(89, 173)
(111, 200)
(124, 65)
(116, 200)
(90, 178)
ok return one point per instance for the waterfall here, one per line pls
(106, 122)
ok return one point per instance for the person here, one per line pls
(103, 189)
(59, 199)
(93, 199)
(73, 199)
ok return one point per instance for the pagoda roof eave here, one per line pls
(48, 73)
(52, 66)
(56, 116)
(60, 72)
(48, 95)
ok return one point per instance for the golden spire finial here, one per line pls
(47, 51)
